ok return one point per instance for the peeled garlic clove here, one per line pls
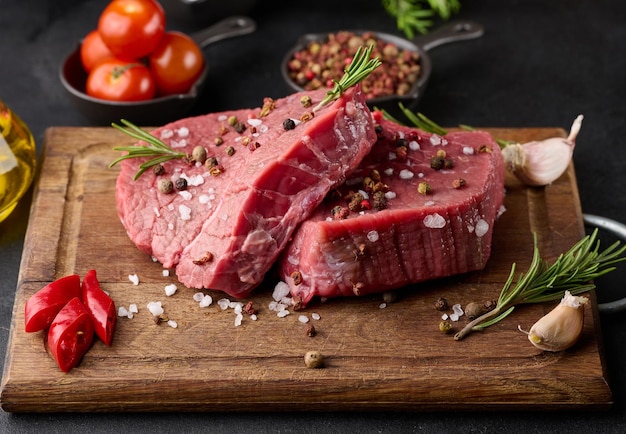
(560, 328)
(542, 162)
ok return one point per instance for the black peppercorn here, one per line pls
(289, 124)
(181, 184)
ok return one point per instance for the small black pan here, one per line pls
(451, 32)
(156, 111)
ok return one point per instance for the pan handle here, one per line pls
(227, 28)
(619, 230)
(451, 32)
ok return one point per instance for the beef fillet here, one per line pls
(227, 228)
(418, 207)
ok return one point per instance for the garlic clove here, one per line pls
(560, 328)
(542, 162)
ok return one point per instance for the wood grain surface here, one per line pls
(392, 358)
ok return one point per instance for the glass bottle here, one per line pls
(18, 160)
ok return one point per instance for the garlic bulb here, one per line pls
(542, 162)
(560, 328)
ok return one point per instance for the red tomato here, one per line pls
(93, 50)
(43, 306)
(176, 63)
(100, 306)
(70, 334)
(132, 28)
(119, 80)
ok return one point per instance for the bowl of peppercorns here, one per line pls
(318, 59)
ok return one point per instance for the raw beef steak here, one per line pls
(228, 227)
(418, 207)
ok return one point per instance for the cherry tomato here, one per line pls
(43, 306)
(119, 80)
(176, 63)
(100, 306)
(93, 50)
(132, 28)
(70, 334)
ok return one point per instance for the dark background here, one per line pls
(539, 64)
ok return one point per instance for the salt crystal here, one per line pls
(173, 324)
(222, 118)
(185, 194)
(223, 303)
(414, 146)
(280, 290)
(156, 211)
(132, 308)
(134, 278)
(429, 203)
(155, 308)
(434, 221)
(315, 316)
(170, 289)
(388, 171)
(468, 150)
(372, 236)
(364, 194)
(501, 211)
(392, 156)
(198, 296)
(255, 122)
(382, 305)
(263, 128)
(435, 140)
(167, 133)
(238, 308)
(178, 143)
(482, 227)
(457, 309)
(170, 226)
(182, 132)
(203, 199)
(406, 174)
(286, 300)
(185, 212)
(193, 180)
(253, 317)
(420, 175)
(122, 311)
(454, 317)
(165, 273)
(444, 316)
(282, 313)
(238, 319)
(206, 301)
(154, 259)
(303, 319)
(390, 195)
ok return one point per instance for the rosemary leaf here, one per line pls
(156, 150)
(573, 271)
(361, 66)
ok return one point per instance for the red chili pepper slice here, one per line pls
(70, 334)
(43, 306)
(100, 306)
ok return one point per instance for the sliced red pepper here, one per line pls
(43, 306)
(70, 334)
(100, 306)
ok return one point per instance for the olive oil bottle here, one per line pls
(18, 160)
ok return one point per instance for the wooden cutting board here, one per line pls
(392, 358)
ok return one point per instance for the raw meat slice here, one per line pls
(228, 227)
(432, 222)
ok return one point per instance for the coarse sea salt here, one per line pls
(388, 171)
(238, 319)
(414, 146)
(167, 133)
(372, 236)
(468, 150)
(434, 221)
(182, 132)
(132, 308)
(165, 273)
(406, 174)
(303, 319)
(122, 311)
(280, 290)
(206, 301)
(255, 122)
(134, 278)
(223, 303)
(170, 289)
(185, 194)
(203, 199)
(173, 324)
(382, 305)
(482, 227)
(198, 296)
(282, 313)
(155, 308)
(435, 140)
(185, 212)
(315, 316)
(390, 195)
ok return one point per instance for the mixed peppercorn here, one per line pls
(321, 62)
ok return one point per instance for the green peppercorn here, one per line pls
(165, 185)
(199, 154)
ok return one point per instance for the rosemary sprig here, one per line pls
(156, 150)
(573, 271)
(361, 66)
(417, 15)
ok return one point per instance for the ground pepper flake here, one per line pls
(458, 183)
(208, 257)
(339, 212)
(485, 148)
(424, 188)
(296, 276)
(307, 116)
